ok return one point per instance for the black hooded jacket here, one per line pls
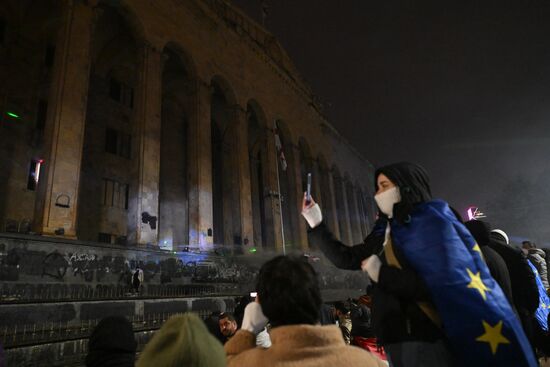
(496, 264)
(522, 279)
(396, 316)
(112, 344)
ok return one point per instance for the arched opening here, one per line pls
(225, 186)
(257, 143)
(28, 36)
(110, 159)
(173, 186)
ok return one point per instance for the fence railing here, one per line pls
(50, 332)
(24, 293)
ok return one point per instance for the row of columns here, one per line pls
(57, 203)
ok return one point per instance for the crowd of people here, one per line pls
(443, 292)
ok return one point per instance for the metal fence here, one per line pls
(48, 292)
(50, 332)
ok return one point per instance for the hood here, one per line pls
(537, 251)
(480, 230)
(183, 340)
(112, 343)
(413, 183)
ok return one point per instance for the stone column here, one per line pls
(200, 169)
(346, 232)
(316, 181)
(299, 222)
(243, 166)
(355, 216)
(332, 223)
(57, 199)
(272, 194)
(148, 109)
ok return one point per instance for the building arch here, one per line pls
(109, 184)
(225, 180)
(30, 32)
(262, 211)
(176, 110)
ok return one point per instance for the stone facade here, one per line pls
(153, 123)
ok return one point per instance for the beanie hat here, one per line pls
(183, 340)
(112, 343)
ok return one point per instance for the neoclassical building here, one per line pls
(138, 122)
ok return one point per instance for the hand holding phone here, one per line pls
(308, 190)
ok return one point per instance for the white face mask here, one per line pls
(387, 199)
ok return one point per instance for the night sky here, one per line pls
(461, 87)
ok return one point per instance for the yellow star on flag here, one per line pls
(477, 283)
(476, 248)
(493, 336)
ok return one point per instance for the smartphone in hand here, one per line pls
(308, 190)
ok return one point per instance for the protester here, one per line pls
(361, 322)
(137, 279)
(328, 316)
(183, 341)
(537, 257)
(425, 263)
(524, 286)
(212, 323)
(289, 295)
(228, 325)
(361, 326)
(343, 315)
(112, 344)
(496, 264)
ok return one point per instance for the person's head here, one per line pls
(341, 308)
(227, 323)
(527, 245)
(399, 187)
(183, 341)
(500, 235)
(480, 230)
(112, 341)
(288, 291)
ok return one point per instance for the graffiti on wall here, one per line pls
(89, 266)
(74, 264)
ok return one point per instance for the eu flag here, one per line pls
(544, 303)
(476, 316)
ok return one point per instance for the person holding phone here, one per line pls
(423, 263)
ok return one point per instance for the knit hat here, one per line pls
(112, 343)
(183, 341)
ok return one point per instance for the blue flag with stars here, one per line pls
(476, 316)
(542, 311)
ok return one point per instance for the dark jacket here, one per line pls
(396, 316)
(538, 258)
(112, 344)
(496, 264)
(524, 287)
(361, 324)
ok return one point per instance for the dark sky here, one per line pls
(461, 87)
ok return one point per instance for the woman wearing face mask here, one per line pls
(423, 264)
